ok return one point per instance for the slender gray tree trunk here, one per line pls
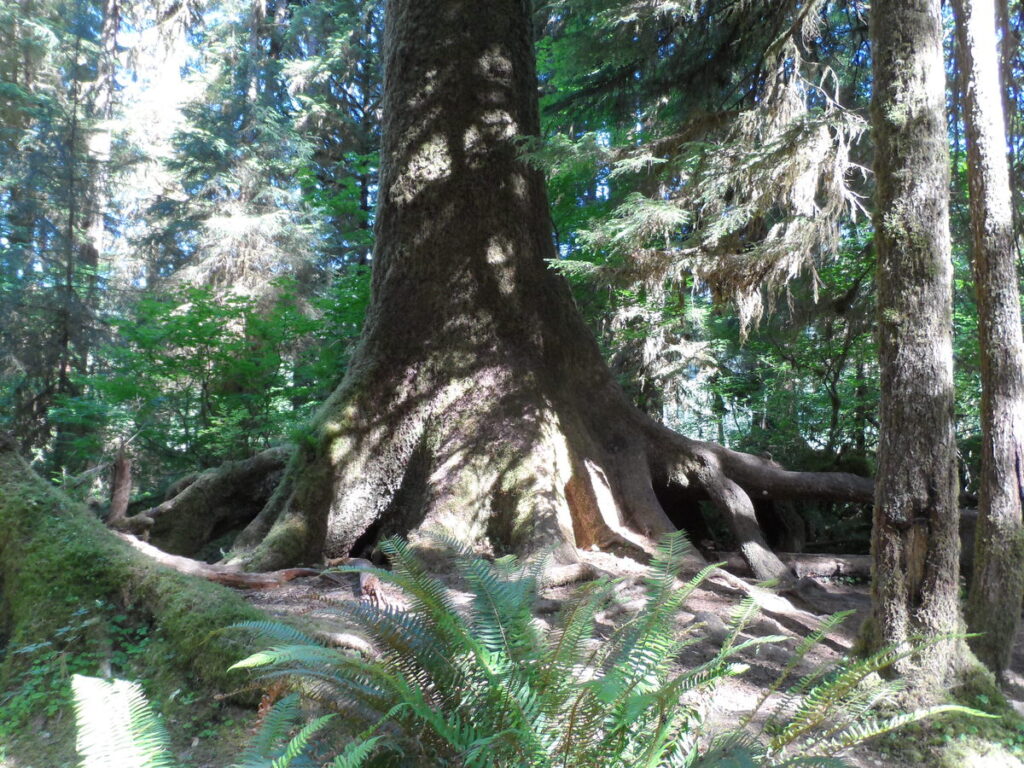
(997, 586)
(915, 544)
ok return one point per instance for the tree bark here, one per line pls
(477, 401)
(997, 586)
(120, 488)
(217, 501)
(915, 542)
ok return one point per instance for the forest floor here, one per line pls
(941, 743)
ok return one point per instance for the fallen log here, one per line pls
(228, 575)
(59, 566)
(804, 564)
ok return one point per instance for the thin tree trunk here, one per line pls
(1009, 49)
(997, 587)
(915, 542)
(120, 488)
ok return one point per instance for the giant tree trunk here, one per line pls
(915, 542)
(478, 401)
(997, 586)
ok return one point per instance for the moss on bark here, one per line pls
(57, 561)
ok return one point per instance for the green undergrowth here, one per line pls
(958, 741)
(488, 686)
(75, 599)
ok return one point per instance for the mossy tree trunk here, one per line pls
(57, 560)
(478, 401)
(915, 543)
(997, 586)
(211, 504)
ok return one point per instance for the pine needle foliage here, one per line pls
(743, 180)
(487, 685)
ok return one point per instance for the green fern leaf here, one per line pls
(117, 728)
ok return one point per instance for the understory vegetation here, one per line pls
(487, 684)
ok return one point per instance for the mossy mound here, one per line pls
(75, 598)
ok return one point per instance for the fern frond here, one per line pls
(668, 559)
(296, 747)
(428, 593)
(869, 728)
(502, 614)
(813, 762)
(575, 626)
(799, 654)
(819, 702)
(274, 729)
(272, 631)
(309, 655)
(356, 754)
(485, 686)
(117, 726)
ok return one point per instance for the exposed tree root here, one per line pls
(221, 574)
(120, 488)
(731, 480)
(802, 564)
(212, 503)
(491, 467)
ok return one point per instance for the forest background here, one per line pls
(187, 212)
(187, 225)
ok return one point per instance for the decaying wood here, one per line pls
(222, 574)
(804, 564)
(120, 496)
(57, 559)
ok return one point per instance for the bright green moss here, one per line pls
(73, 597)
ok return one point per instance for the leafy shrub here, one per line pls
(196, 378)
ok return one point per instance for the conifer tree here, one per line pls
(477, 399)
(997, 584)
(915, 538)
(58, 63)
